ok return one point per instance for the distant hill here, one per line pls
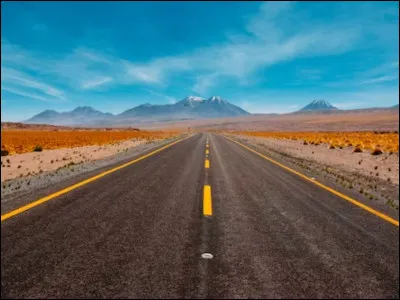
(187, 109)
(318, 105)
(82, 115)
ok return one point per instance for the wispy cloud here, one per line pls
(22, 80)
(90, 84)
(380, 79)
(20, 92)
(267, 38)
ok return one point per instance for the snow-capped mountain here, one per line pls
(191, 107)
(318, 105)
(216, 99)
(191, 101)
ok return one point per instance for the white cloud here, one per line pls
(23, 80)
(268, 45)
(144, 74)
(95, 82)
(23, 93)
(380, 79)
(271, 39)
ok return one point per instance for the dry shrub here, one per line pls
(376, 151)
(357, 149)
(385, 141)
(21, 141)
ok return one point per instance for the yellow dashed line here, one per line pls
(207, 151)
(207, 204)
(207, 164)
(347, 198)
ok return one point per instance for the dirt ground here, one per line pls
(375, 176)
(24, 164)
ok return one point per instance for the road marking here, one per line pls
(207, 146)
(207, 205)
(84, 182)
(207, 256)
(347, 198)
(207, 164)
(207, 152)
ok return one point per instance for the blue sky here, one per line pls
(263, 56)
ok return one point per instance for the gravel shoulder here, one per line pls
(376, 178)
(68, 172)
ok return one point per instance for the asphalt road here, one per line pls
(140, 232)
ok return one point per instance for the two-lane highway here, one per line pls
(140, 232)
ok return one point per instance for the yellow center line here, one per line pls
(207, 164)
(207, 204)
(207, 152)
(79, 184)
(347, 198)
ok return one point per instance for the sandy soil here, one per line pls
(97, 158)
(20, 165)
(363, 163)
(375, 176)
(46, 127)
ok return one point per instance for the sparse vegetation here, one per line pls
(384, 141)
(22, 141)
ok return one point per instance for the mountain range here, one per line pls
(189, 108)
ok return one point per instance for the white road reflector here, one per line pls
(312, 178)
(207, 256)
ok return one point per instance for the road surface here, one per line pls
(140, 232)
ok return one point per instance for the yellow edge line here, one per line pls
(207, 164)
(347, 198)
(79, 184)
(207, 205)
